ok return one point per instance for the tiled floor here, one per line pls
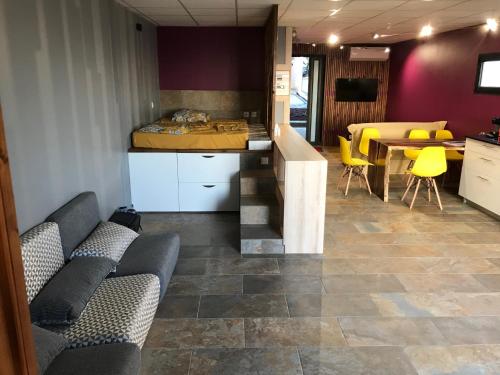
(396, 292)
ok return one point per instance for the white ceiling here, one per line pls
(355, 22)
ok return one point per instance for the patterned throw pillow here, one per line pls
(109, 240)
(42, 255)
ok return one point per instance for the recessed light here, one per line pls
(333, 39)
(334, 12)
(376, 36)
(341, 47)
(314, 44)
(387, 50)
(491, 24)
(426, 31)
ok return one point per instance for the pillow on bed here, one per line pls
(190, 115)
(109, 240)
(65, 296)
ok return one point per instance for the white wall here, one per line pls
(75, 79)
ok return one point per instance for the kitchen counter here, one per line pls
(485, 139)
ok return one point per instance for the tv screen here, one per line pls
(356, 90)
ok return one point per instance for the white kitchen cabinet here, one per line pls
(216, 196)
(218, 167)
(480, 180)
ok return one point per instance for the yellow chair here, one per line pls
(452, 154)
(413, 154)
(364, 144)
(430, 163)
(352, 165)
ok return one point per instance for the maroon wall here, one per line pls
(211, 58)
(434, 80)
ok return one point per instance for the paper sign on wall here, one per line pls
(282, 82)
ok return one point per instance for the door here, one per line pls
(306, 97)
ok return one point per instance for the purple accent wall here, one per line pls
(211, 58)
(434, 80)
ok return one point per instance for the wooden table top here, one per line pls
(406, 143)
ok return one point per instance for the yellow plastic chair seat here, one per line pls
(359, 162)
(430, 163)
(454, 155)
(412, 154)
(416, 134)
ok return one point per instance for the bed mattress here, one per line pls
(213, 135)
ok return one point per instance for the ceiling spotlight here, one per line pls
(376, 36)
(314, 44)
(334, 12)
(333, 39)
(426, 31)
(341, 47)
(491, 24)
(387, 50)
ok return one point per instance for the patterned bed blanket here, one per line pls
(165, 126)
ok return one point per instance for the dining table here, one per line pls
(381, 152)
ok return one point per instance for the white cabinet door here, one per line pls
(194, 196)
(153, 181)
(216, 167)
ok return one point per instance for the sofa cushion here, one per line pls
(76, 220)
(42, 256)
(65, 296)
(111, 359)
(108, 240)
(121, 310)
(48, 345)
(151, 253)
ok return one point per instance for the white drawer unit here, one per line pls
(480, 180)
(220, 167)
(217, 196)
(170, 182)
(153, 181)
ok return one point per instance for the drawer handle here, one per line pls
(482, 178)
(207, 156)
(485, 159)
(208, 186)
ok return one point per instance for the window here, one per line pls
(488, 74)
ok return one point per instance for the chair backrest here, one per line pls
(444, 134)
(42, 255)
(345, 150)
(419, 134)
(368, 133)
(430, 162)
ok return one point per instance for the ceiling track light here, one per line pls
(341, 47)
(387, 50)
(491, 24)
(333, 39)
(426, 31)
(376, 36)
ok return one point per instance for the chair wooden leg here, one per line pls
(437, 194)
(429, 184)
(348, 181)
(415, 195)
(341, 177)
(412, 178)
(410, 165)
(367, 183)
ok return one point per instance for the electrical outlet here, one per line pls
(264, 160)
(246, 115)
(253, 114)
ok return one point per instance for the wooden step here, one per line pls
(257, 181)
(261, 239)
(258, 209)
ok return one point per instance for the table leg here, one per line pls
(387, 174)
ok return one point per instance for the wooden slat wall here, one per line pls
(338, 115)
(270, 40)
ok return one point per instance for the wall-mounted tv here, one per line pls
(356, 89)
(488, 74)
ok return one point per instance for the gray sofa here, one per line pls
(93, 312)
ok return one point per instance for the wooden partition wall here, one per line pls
(338, 115)
(270, 39)
(17, 354)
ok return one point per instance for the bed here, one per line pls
(212, 135)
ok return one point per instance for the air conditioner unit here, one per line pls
(369, 54)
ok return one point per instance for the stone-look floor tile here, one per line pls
(395, 227)
(459, 265)
(355, 361)
(362, 284)
(178, 307)
(485, 227)
(438, 283)
(279, 332)
(418, 304)
(196, 285)
(317, 267)
(191, 267)
(480, 238)
(257, 284)
(479, 304)
(386, 265)
(364, 331)
(165, 361)
(243, 266)
(469, 251)
(208, 252)
(377, 251)
(470, 330)
(196, 333)
(251, 361)
(317, 305)
(243, 306)
(490, 282)
(457, 360)
(450, 228)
